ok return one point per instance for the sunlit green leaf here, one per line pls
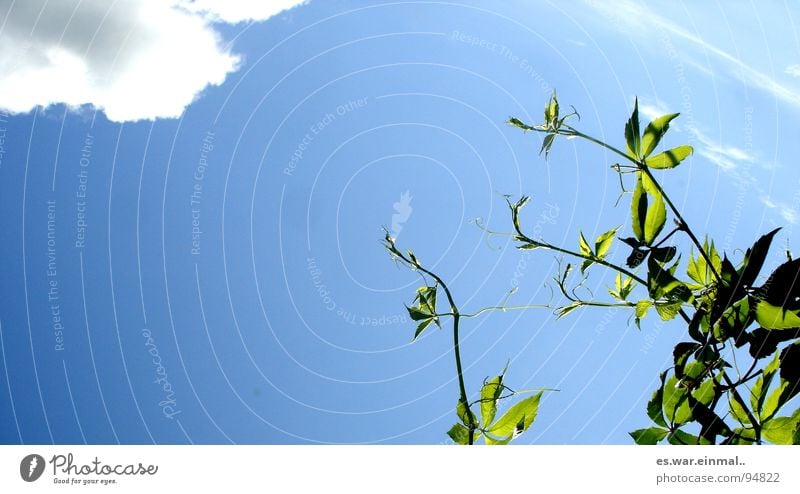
(603, 242)
(517, 419)
(655, 219)
(737, 411)
(669, 159)
(490, 393)
(668, 310)
(676, 407)
(772, 317)
(654, 132)
(679, 437)
(495, 441)
(743, 435)
(642, 307)
(459, 434)
(551, 110)
(649, 436)
(779, 430)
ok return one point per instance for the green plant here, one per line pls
(470, 428)
(730, 317)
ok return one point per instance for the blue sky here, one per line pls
(284, 321)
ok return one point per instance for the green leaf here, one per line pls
(669, 159)
(642, 307)
(584, 246)
(551, 110)
(418, 314)
(424, 324)
(654, 410)
(759, 392)
(738, 411)
(547, 143)
(772, 317)
(779, 430)
(705, 392)
(638, 208)
(563, 311)
(517, 419)
(520, 124)
(676, 407)
(459, 434)
(743, 435)
(698, 269)
(465, 414)
(493, 441)
(633, 138)
(603, 243)
(668, 310)
(655, 219)
(754, 258)
(679, 437)
(649, 436)
(654, 132)
(490, 394)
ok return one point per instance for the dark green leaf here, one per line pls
(654, 132)
(654, 410)
(633, 138)
(663, 254)
(424, 324)
(638, 208)
(754, 259)
(759, 392)
(465, 414)
(418, 314)
(649, 436)
(547, 143)
(764, 342)
(669, 159)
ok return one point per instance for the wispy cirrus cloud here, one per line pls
(638, 19)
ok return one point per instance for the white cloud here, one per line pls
(793, 70)
(234, 11)
(787, 211)
(134, 59)
(726, 157)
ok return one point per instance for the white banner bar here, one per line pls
(401, 469)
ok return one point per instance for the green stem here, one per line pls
(456, 344)
(684, 225)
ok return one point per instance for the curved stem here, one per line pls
(456, 344)
(684, 225)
